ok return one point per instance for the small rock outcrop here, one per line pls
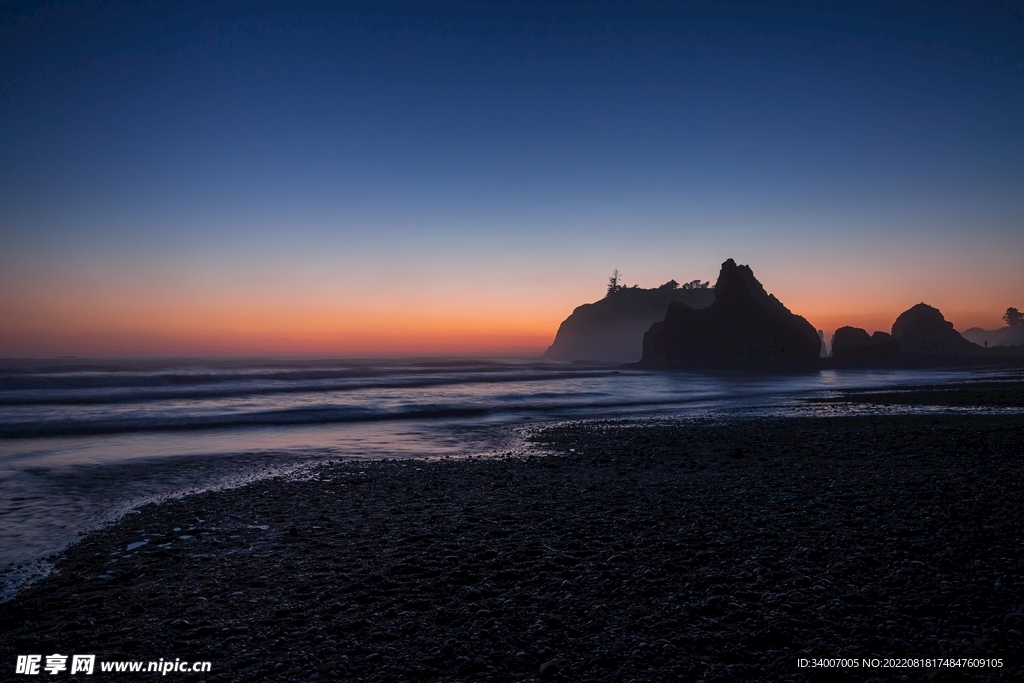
(613, 328)
(745, 328)
(855, 345)
(923, 330)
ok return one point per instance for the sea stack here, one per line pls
(612, 329)
(746, 328)
(853, 345)
(922, 329)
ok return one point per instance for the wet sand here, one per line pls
(662, 551)
(1005, 394)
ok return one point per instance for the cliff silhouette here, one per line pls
(745, 328)
(613, 328)
(739, 326)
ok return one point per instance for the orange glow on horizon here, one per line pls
(167, 316)
(214, 331)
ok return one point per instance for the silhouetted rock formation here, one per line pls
(922, 330)
(613, 328)
(1006, 336)
(855, 345)
(745, 329)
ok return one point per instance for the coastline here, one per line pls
(648, 550)
(993, 394)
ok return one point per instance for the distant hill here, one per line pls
(1007, 336)
(613, 328)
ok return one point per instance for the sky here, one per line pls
(248, 178)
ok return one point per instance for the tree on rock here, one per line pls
(1013, 317)
(615, 282)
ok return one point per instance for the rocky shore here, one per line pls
(651, 551)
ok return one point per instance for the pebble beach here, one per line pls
(661, 550)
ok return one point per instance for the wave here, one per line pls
(70, 375)
(139, 392)
(314, 416)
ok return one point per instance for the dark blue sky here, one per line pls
(470, 145)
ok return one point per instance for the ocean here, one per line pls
(83, 442)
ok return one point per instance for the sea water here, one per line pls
(84, 441)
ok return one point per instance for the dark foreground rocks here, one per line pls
(660, 551)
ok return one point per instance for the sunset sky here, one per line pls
(324, 178)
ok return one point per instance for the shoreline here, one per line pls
(648, 550)
(992, 394)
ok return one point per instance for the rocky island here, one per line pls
(612, 329)
(854, 346)
(921, 338)
(923, 330)
(738, 326)
(745, 328)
